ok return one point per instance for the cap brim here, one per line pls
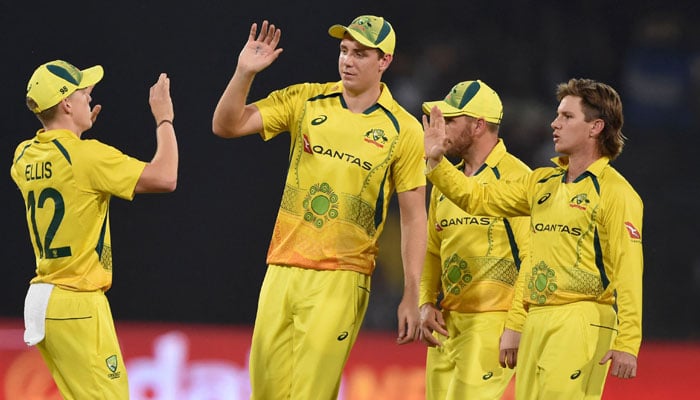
(447, 110)
(91, 76)
(339, 31)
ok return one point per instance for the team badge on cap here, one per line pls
(371, 31)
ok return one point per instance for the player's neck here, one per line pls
(358, 102)
(578, 163)
(476, 155)
(64, 124)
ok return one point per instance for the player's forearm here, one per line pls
(629, 310)
(430, 279)
(452, 183)
(413, 249)
(229, 115)
(160, 175)
(413, 236)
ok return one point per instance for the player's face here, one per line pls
(360, 67)
(571, 131)
(458, 131)
(80, 107)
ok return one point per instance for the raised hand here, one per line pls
(160, 101)
(259, 52)
(435, 138)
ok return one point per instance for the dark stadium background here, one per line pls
(198, 255)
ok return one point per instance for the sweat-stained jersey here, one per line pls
(343, 169)
(66, 184)
(587, 235)
(474, 260)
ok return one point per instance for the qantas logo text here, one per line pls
(340, 155)
(573, 231)
(444, 223)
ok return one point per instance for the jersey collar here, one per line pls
(44, 136)
(596, 168)
(492, 160)
(385, 100)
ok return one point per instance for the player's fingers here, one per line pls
(511, 358)
(434, 116)
(429, 339)
(426, 124)
(95, 111)
(253, 31)
(270, 36)
(276, 38)
(440, 328)
(401, 329)
(263, 31)
(440, 320)
(165, 82)
(411, 331)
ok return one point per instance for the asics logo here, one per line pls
(543, 198)
(487, 376)
(576, 374)
(319, 120)
(342, 336)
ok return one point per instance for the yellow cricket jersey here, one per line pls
(474, 260)
(67, 183)
(343, 169)
(586, 242)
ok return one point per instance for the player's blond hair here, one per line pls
(43, 116)
(599, 101)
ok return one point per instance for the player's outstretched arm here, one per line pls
(232, 117)
(160, 175)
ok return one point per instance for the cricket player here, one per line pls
(352, 147)
(67, 183)
(583, 288)
(473, 261)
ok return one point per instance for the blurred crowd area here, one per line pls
(651, 56)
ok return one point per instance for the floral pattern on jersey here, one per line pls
(543, 283)
(455, 274)
(320, 204)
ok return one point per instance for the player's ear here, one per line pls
(596, 127)
(64, 106)
(385, 61)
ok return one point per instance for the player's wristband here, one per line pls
(163, 122)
